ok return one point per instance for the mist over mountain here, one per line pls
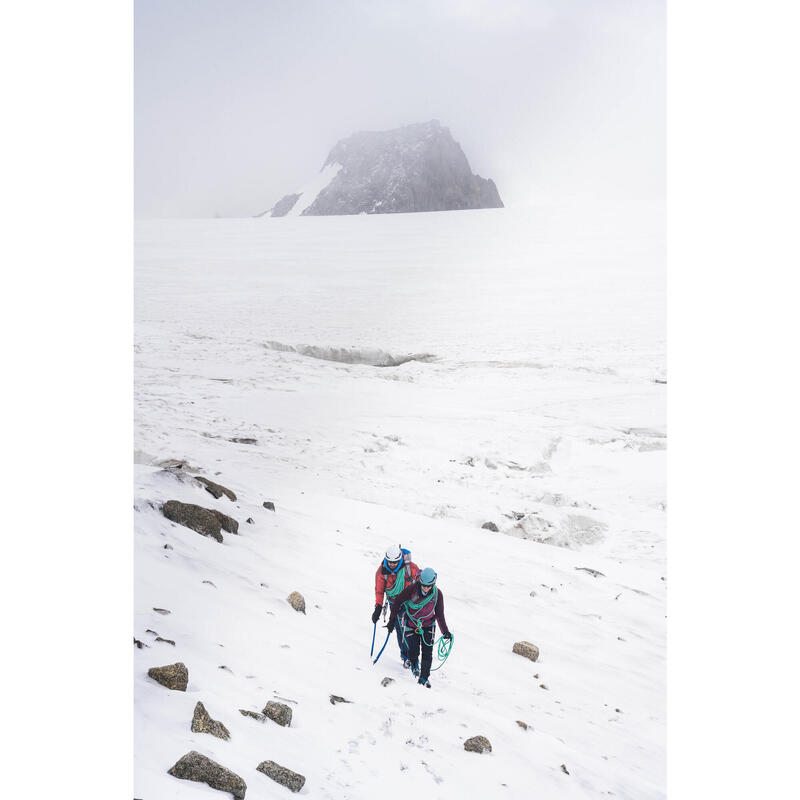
(417, 167)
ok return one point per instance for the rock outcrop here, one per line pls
(414, 168)
(478, 744)
(199, 519)
(173, 676)
(215, 489)
(278, 712)
(293, 781)
(202, 723)
(196, 767)
(526, 650)
(297, 602)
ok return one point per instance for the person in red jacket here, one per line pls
(396, 572)
(423, 604)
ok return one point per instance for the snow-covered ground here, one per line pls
(406, 379)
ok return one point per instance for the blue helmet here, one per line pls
(427, 577)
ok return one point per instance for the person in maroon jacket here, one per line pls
(423, 604)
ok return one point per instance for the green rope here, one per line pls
(399, 584)
(443, 648)
(410, 604)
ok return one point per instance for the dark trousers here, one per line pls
(425, 640)
(401, 642)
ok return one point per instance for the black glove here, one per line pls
(376, 613)
(390, 624)
(447, 635)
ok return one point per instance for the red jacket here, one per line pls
(385, 580)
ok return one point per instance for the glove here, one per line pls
(447, 635)
(390, 625)
(376, 613)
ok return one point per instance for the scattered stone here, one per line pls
(523, 725)
(168, 547)
(139, 644)
(161, 610)
(149, 630)
(387, 681)
(593, 572)
(202, 723)
(533, 594)
(168, 641)
(526, 650)
(297, 602)
(222, 666)
(334, 698)
(490, 526)
(278, 712)
(618, 710)
(564, 769)
(254, 714)
(250, 521)
(478, 744)
(196, 767)
(544, 686)
(210, 583)
(216, 489)
(227, 523)
(243, 440)
(199, 519)
(536, 676)
(269, 505)
(293, 781)
(173, 676)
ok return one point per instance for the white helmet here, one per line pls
(393, 553)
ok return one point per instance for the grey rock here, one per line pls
(523, 725)
(564, 769)
(593, 572)
(526, 650)
(414, 168)
(293, 781)
(243, 440)
(168, 641)
(278, 712)
(138, 644)
(297, 602)
(216, 489)
(202, 723)
(334, 699)
(269, 505)
(199, 519)
(196, 767)
(490, 526)
(250, 521)
(227, 523)
(163, 611)
(284, 205)
(387, 681)
(478, 744)
(173, 676)
(254, 714)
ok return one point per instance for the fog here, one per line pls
(561, 102)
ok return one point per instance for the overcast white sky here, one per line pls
(237, 102)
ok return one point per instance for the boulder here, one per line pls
(202, 723)
(478, 744)
(139, 644)
(269, 505)
(196, 767)
(173, 676)
(334, 698)
(216, 489)
(490, 526)
(526, 650)
(254, 714)
(293, 781)
(278, 712)
(227, 523)
(387, 681)
(250, 521)
(199, 519)
(564, 769)
(297, 602)
(523, 725)
(168, 641)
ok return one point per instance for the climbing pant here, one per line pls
(414, 640)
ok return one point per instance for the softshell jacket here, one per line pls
(425, 615)
(387, 582)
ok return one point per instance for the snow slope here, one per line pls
(310, 191)
(535, 406)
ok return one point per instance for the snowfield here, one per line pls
(404, 379)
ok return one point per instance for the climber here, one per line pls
(396, 572)
(423, 604)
